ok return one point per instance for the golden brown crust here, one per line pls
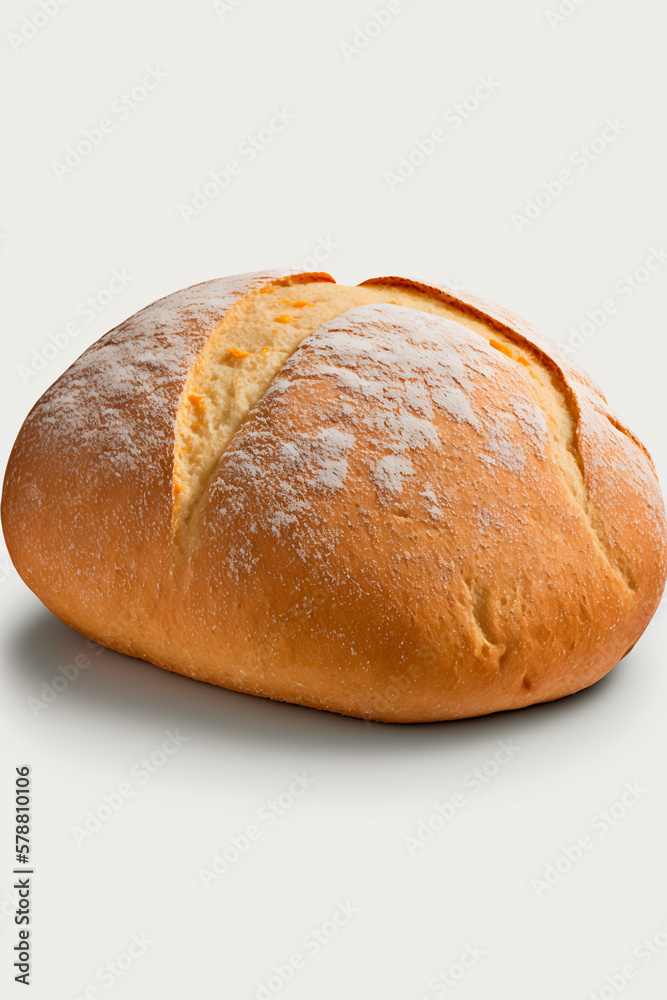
(395, 532)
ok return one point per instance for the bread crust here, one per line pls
(359, 547)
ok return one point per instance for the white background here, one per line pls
(322, 182)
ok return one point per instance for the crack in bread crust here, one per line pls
(490, 650)
(242, 357)
(228, 378)
(613, 556)
(256, 338)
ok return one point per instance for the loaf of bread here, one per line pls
(388, 500)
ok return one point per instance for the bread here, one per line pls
(387, 501)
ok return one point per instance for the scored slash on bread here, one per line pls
(388, 500)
